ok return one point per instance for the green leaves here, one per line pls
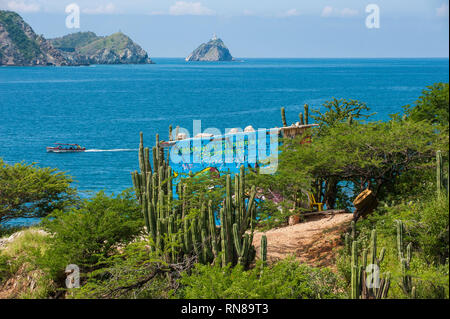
(372, 152)
(432, 105)
(29, 191)
(338, 111)
(286, 279)
(83, 235)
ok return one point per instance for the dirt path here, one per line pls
(312, 241)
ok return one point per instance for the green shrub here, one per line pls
(28, 191)
(286, 279)
(135, 273)
(426, 227)
(5, 268)
(82, 235)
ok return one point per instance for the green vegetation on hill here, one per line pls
(12, 22)
(73, 41)
(115, 42)
(88, 43)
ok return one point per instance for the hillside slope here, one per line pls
(21, 46)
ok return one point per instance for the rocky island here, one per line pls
(88, 48)
(214, 50)
(21, 46)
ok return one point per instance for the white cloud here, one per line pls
(442, 11)
(22, 6)
(329, 11)
(103, 9)
(347, 12)
(189, 8)
(291, 13)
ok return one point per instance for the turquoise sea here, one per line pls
(105, 107)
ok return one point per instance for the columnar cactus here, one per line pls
(302, 119)
(406, 278)
(306, 107)
(350, 237)
(373, 250)
(375, 261)
(362, 285)
(405, 260)
(355, 277)
(283, 116)
(264, 249)
(179, 228)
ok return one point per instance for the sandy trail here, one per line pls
(312, 241)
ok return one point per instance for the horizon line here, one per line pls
(350, 57)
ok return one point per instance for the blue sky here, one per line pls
(256, 28)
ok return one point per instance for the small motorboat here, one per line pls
(66, 148)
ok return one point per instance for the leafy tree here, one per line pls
(363, 155)
(338, 111)
(83, 235)
(432, 105)
(27, 191)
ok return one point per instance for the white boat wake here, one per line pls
(114, 150)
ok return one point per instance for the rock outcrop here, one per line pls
(21, 46)
(214, 50)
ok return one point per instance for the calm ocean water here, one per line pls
(105, 107)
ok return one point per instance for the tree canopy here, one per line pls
(432, 105)
(349, 153)
(28, 191)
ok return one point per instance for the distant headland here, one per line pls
(21, 46)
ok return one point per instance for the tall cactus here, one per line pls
(405, 260)
(168, 221)
(306, 108)
(283, 116)
(362, 285)
(264, 249)
(350, 237)
(376, 260)
(355, 278)
(302, 119)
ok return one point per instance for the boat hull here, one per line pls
(57, 150)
